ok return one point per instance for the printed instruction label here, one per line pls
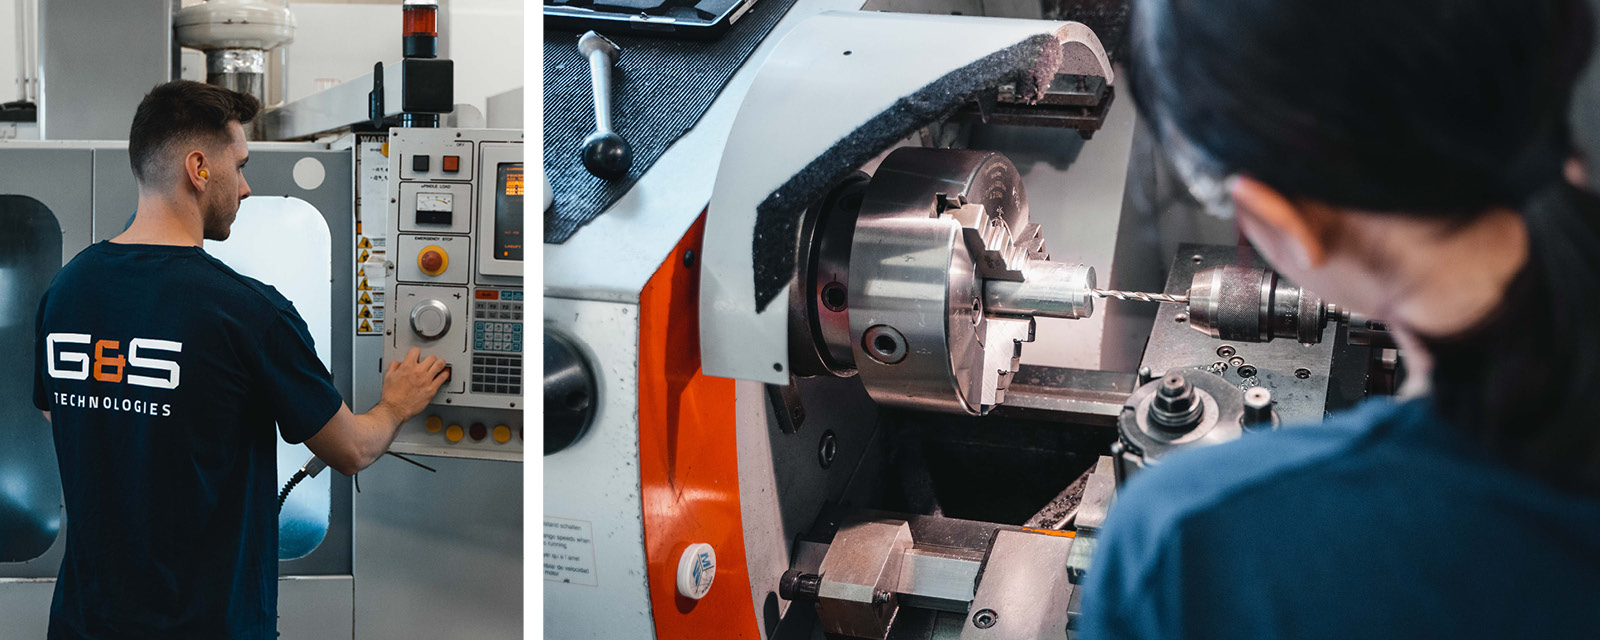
(569, 551)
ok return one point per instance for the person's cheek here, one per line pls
(1266, 239)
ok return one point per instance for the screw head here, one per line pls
(827, 449)
(834, 297)
(985, 618)
(1302, 373)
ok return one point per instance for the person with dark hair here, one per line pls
(163, 373)
(1406, 160)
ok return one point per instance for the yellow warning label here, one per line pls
(364, 286)
(366, 312)
(366, 326)
(366, 243)
(366, 298)
(365, 254)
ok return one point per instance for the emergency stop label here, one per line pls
(569, 551)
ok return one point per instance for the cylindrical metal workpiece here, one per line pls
(1051, 290)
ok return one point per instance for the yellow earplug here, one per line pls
(203, 174)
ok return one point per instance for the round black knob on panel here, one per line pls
(570, 394)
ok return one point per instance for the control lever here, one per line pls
(605, 154)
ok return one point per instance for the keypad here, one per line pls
(497, 374)
(499, 337)
(497, 310)
(497, 344)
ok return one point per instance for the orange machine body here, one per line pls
(688, 458)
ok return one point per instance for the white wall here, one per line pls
(8, 51)
(337, 41)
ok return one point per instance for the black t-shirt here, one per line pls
(164, 371)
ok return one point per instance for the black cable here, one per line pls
(289, 486)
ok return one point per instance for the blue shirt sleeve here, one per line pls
(299, 390)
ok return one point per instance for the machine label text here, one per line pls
(569, 551)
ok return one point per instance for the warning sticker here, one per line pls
(569, 552)
(370, 294)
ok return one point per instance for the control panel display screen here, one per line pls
(508, 213)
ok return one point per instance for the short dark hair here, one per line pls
(182, 110)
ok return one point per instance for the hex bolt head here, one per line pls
(1175, 407)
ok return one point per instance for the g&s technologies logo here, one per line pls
(68, 358)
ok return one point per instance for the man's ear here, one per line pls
(193, 165)
(1303, 226)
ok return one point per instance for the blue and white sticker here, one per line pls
(697, 567)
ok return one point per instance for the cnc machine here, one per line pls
(872, 389)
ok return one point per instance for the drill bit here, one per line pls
(1140, 296)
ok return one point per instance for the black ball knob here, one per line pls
(607, 155)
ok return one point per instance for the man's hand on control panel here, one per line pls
(350, 443)
(410, 384)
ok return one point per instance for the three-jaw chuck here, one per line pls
(925, 280)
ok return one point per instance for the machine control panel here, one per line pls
(458, 291)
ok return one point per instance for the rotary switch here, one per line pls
(433, 260)
(430, 319)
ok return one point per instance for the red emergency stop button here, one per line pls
(433, 260)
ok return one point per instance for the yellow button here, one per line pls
(453, 433)
(433, 424)
(502, 433)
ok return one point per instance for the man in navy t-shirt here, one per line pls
(163, 372)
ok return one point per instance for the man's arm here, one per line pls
(350, 442)
(46, 415)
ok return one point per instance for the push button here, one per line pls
(433, 260)
(419, 163)
(452, 164)
(502, 433)
(453, 433)
(433, 424)
(478, 431)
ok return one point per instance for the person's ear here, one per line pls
(1302, 227)
(195, 170)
